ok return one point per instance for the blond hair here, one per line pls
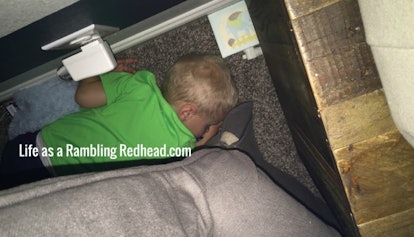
(204, 80)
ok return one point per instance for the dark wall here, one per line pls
(21, 50)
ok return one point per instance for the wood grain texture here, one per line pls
(288, 73)
(338, 84)
(298, 8)
(398, 225)
(287, 70)
(338, 61)
(378, 176)
(357, 119)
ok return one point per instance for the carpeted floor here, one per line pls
(252, 78)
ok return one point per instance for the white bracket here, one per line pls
(95, 57)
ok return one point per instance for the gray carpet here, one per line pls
(254, 83)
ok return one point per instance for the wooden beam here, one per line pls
(378, 176)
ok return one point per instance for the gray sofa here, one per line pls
(214, 192)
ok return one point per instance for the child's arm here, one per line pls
(90, 92)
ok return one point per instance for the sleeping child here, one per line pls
(125, 120)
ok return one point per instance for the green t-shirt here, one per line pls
(136, 123)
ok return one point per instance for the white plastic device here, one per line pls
(95, 57)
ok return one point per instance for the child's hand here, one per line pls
(126, 65)
(212, 131)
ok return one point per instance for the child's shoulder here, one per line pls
(142, 75)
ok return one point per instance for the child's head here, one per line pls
(200, 89)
